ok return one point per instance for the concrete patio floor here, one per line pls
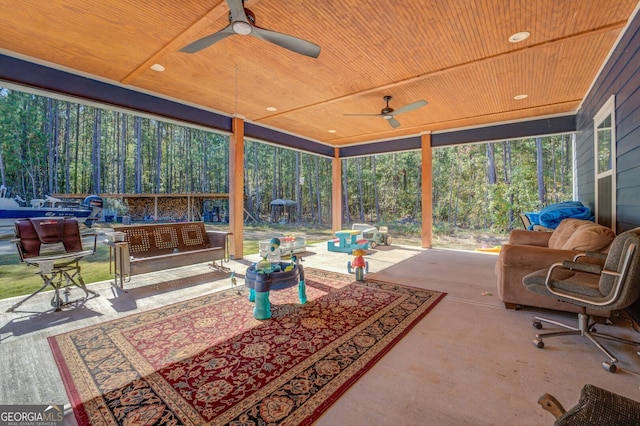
(468, 362)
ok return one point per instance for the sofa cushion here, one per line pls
(564, 231)
(590, 237)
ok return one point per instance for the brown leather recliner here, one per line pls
(529, 251)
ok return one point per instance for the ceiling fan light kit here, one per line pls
(242, 28)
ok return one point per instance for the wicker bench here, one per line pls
(154, 247)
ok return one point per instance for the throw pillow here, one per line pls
(590, 237)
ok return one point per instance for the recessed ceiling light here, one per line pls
(272, 109)
(518, 37)
(157, 67)
(518, 97)
(331, 131)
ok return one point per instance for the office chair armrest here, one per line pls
(552, 405)
(614, 293)
(582, 267)
(591, 255)
(612, 273)
(573, 296)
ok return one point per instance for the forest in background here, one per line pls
(50, 146)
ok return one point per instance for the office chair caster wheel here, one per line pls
(537, 324)
(538, 343)
(611, 368)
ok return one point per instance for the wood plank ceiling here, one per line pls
(453, 54)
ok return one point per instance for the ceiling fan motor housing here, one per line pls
(386, 110)
(243, 27)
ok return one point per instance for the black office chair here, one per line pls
(58, 266)
(612, 285)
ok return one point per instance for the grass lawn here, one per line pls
(20, 280)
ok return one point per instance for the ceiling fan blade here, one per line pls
(363, 115)
(237, 13)
(236, 8)
(289, 42)
(242, 22)
(410, 107)
(393, 122)
(207, 41)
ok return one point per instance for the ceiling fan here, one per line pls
(389, 113)
(242, 21)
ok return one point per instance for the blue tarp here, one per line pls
(552, 215)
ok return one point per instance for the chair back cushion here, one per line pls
(582, 235)
(615, 262)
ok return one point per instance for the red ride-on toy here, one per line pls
(361, 266)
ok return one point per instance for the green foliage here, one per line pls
(270, 173)
(462, 195)
(52, 146)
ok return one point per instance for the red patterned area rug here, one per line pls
(208, 361)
